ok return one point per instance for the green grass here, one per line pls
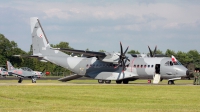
(94, 97)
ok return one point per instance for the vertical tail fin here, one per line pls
(9, 66)
(39, 40)
(40, 43)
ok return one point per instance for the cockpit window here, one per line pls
(171, 64)
(26, 69)
(167, 63)
(177, 63)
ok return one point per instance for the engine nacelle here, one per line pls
(43, 60)
(111, 58)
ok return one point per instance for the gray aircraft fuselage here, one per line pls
(137, 68)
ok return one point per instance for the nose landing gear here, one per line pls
(171, 82)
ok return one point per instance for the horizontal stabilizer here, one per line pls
(68, 78)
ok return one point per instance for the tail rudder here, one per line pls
(9, 66)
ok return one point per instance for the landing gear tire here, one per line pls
(20, 80)
(100, 81)
(171, 82)
(33, 80)
(118, 81)
(125, 81)
(107, 81)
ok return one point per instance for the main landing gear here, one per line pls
(33, 80)
(20, 80)
(104, 81)
(125, 81)
(171, 82)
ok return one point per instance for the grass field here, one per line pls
(88, 96)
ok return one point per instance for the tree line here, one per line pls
(10, 48)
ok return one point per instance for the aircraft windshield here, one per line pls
(26, 69)
(4, 69)
(170, 63)
(177, 63)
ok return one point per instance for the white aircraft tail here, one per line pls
(40, 43)
(9, 66)
(156, 79)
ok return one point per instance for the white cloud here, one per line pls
(141, 21)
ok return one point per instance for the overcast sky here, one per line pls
(102, 24)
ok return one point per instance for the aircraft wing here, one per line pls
(85, 53)
(27, 56)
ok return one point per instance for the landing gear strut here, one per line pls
(171, 82)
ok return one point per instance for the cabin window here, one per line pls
(151, 66)
(87, 65)
(148, 66)
(141, 66)
(138, 66)
(145, 66)
(134, 66)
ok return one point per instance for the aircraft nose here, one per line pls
(189, 73)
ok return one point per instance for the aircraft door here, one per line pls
(157, 68)
(83, 66)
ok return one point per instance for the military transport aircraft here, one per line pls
(23, 72)
(105, 67)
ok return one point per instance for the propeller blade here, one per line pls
(123, 65)
(150, 52)
(127, 59)
(126, 50)
(154, 53)
(121, 48)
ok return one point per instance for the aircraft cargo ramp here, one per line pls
(68, 78)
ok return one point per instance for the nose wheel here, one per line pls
(33, 80)
(171, 82)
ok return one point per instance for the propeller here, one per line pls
(122, 57)
(154, 53)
